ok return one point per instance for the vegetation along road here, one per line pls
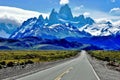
(76, 69)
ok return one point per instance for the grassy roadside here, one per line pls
(106, 55)
(112, 57)
(14, 58)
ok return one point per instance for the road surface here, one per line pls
(76, 69)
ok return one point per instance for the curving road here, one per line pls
(76, 69)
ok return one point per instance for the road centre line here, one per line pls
(65, 72)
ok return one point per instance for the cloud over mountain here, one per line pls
(86, 14)
(16, 16)
(115, 11)
(62, 2)
(78, 7)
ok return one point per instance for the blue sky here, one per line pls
(47, 5)
(94, 8)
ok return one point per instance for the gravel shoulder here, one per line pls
(15, 72)
(103, 70)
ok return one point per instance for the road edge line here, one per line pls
(94, 70)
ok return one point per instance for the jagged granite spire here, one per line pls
(80, 18)
(65, 12)
(53, 18)
(40, 20)
(89, 21)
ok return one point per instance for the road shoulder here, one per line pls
(102, 69)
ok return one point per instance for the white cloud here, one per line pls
(62, 2)
(78, 7)
(117, 23)
(16, 15)
(86, 14)
(102, 20)
(99, 15)
(115, 11)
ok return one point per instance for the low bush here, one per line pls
(22, 63)
(0, 66)
(10, 64)
(107, 59)
(29, 62)
(113, 56)
(9, 58)
(3, 63)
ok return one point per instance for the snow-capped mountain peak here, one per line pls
(106, 29)
(63, 24)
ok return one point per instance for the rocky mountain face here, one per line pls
(62, 30)
(6, 29)
(59, 25)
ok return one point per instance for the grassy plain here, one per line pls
(106, 55)
(11, 58)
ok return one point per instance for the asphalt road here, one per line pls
(76, 69)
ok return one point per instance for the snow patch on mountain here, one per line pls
(62, 24)
(12, 18)
(7, 29)
(117, 23)
(53, 26)
(4, 34)
(103, 29)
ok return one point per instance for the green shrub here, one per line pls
(22, 63)
(0, 66)
(3, 63)
(43, 58)
(16, 57)
(34, 55)
(106, 55)
(107, 59)
(29, 62)
(10, 64)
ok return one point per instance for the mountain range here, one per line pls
(59, 25)
(6, 29)
(61, 30)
